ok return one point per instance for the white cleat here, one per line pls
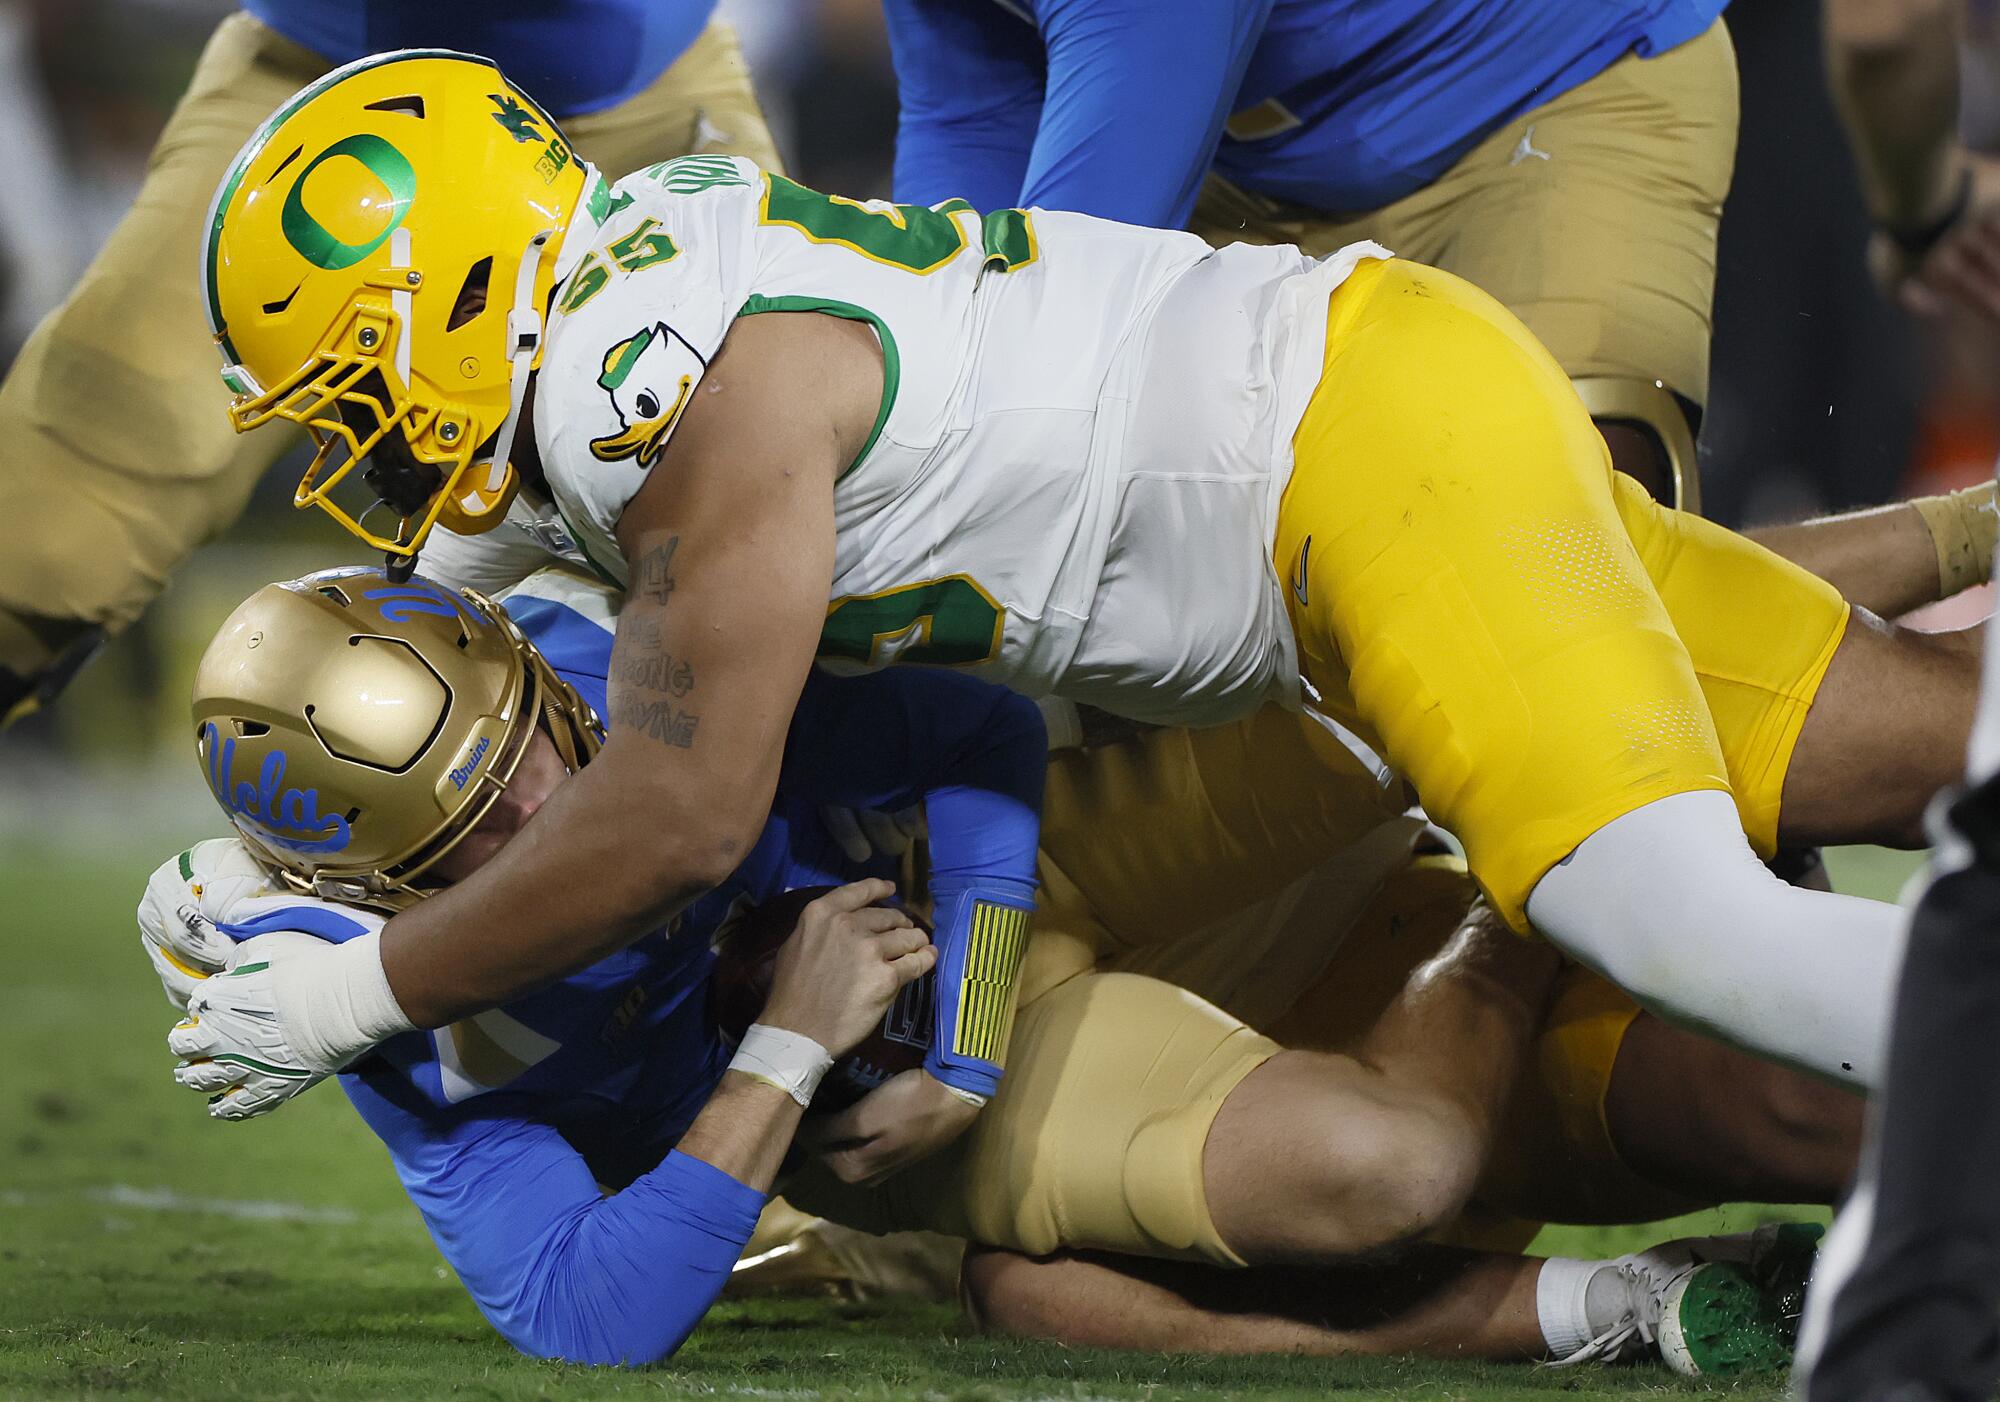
(1711, 1306)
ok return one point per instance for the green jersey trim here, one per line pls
(892, 365)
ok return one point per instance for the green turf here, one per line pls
(134, 1260)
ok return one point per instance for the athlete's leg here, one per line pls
(1836, 727)
(1715, 1124)
(1439, 1301)
(1319, 1156)
(1592, 217)
(1885, 733)
(1473, 597)
(119, 457)
(703, 102)
(113, 415)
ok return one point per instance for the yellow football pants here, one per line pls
(1536, 646)
(119, 458)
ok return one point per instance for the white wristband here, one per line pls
(792, 1062)
(336, 1006)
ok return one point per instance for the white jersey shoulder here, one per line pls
(1071, 481)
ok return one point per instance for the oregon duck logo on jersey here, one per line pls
(650, 380)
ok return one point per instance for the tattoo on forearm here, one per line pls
(657, 720)
(654, 578)
(655, 673)
(647, 678)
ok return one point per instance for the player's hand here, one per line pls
(1959, 271)
(866, 833)
(186, 899)
(835, 977)
(231, 1043)
(908, 1117)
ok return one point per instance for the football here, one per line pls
(747, 948)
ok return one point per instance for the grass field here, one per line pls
(146, 1252)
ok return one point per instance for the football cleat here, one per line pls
(1712, 1306)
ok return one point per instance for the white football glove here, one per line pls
(187, 897)
(258, 1030)
(290, 1008)
(230, 1044)
(864, 832)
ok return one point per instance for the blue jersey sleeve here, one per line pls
(1108, 107)
(969, 82)
(1135, 98)
(561, 1270)
(975, 755)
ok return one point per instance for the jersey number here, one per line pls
(645, 246)
(910, 236)
(948, 622)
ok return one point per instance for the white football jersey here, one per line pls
(1085, 427)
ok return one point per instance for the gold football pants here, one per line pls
(1591, 217)
(119, 458)
(1210, 897)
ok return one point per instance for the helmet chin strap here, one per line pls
(524, 334)
(524, 338)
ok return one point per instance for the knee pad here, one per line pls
(1666, 420)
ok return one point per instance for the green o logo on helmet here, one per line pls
(313, 240)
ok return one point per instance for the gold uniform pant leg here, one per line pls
(1592, 217)
(1166, 834)
(703, 102)
(1095, 1140)
(1469, 590)
(119, 458)
(119, 449)
(1761, 631)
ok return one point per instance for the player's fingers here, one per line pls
(846, 831)
(876, 918)
(257, 1096)
(189, 1040)
(894, 944)
(208, 1077)
(914, 965)
(855, 895)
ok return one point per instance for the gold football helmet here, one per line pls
(355, 729)
(377, 261)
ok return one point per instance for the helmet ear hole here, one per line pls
(409, 104)
(471, 299)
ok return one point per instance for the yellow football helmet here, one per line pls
(355, 729)
(377, 261)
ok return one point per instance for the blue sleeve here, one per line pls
(969, 80)
(1136, 95)
(578, 649)
(975, 755)
(559, 1269)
